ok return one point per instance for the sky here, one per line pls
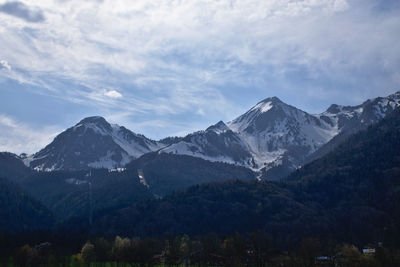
(170, 67)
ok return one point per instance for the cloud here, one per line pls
(113, 94)
(22, 11)
(4, 65)
(211, 59)
(18, 137)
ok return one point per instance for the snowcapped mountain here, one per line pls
(93, 142)
(349, 120)
(274, 130)
(266, 136)
(277, 138)
(272, 137)
(216, 143)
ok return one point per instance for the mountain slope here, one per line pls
(85, 193)
(92, 143)
(19, 211)
(76, 196)
(12, 167)
(358, 182)
(278, 133)
(164, 173)
(216, 143)
(349, 120)
(350, 195)
(265, 136)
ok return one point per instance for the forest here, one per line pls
(255, 249)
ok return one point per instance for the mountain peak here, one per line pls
(273, 99)
(334, 109)
(218, 127)
(92, 143)
(394, 96)
(266, 104)
(96, 123)
(220, 124)
(93, 119)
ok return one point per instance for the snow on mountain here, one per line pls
(350, 120)
(216, 143)
(261, 137)
(274, 130)
(272, 137)
(276, 138)
(371, 111)
(93, 142)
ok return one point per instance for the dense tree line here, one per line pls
(255, 249)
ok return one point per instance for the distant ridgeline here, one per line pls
(272, 139)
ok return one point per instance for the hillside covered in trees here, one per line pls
(349, 195)
(19, 211)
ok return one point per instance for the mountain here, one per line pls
(349, 120)
(272, 138)
(216, 143)
(279, 134)
(358, 182)
(276, 138)
(170, 140)
(350, 195)
(19, 211)
(269, 135)
(92, 143)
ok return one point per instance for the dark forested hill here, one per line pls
(85, 193)
(165, 173)
(12, 167)
(78, 197)
(223, 208)
(19, 211)
(358, 183)
(349, 195)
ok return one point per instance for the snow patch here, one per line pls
(105, 162)
(142, 179)
(263, 107)
(75, 181)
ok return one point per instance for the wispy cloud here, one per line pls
(164, 39)
(22, 11)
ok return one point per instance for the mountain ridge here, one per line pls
(92, 143)
(277, 138)
(272, 137)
